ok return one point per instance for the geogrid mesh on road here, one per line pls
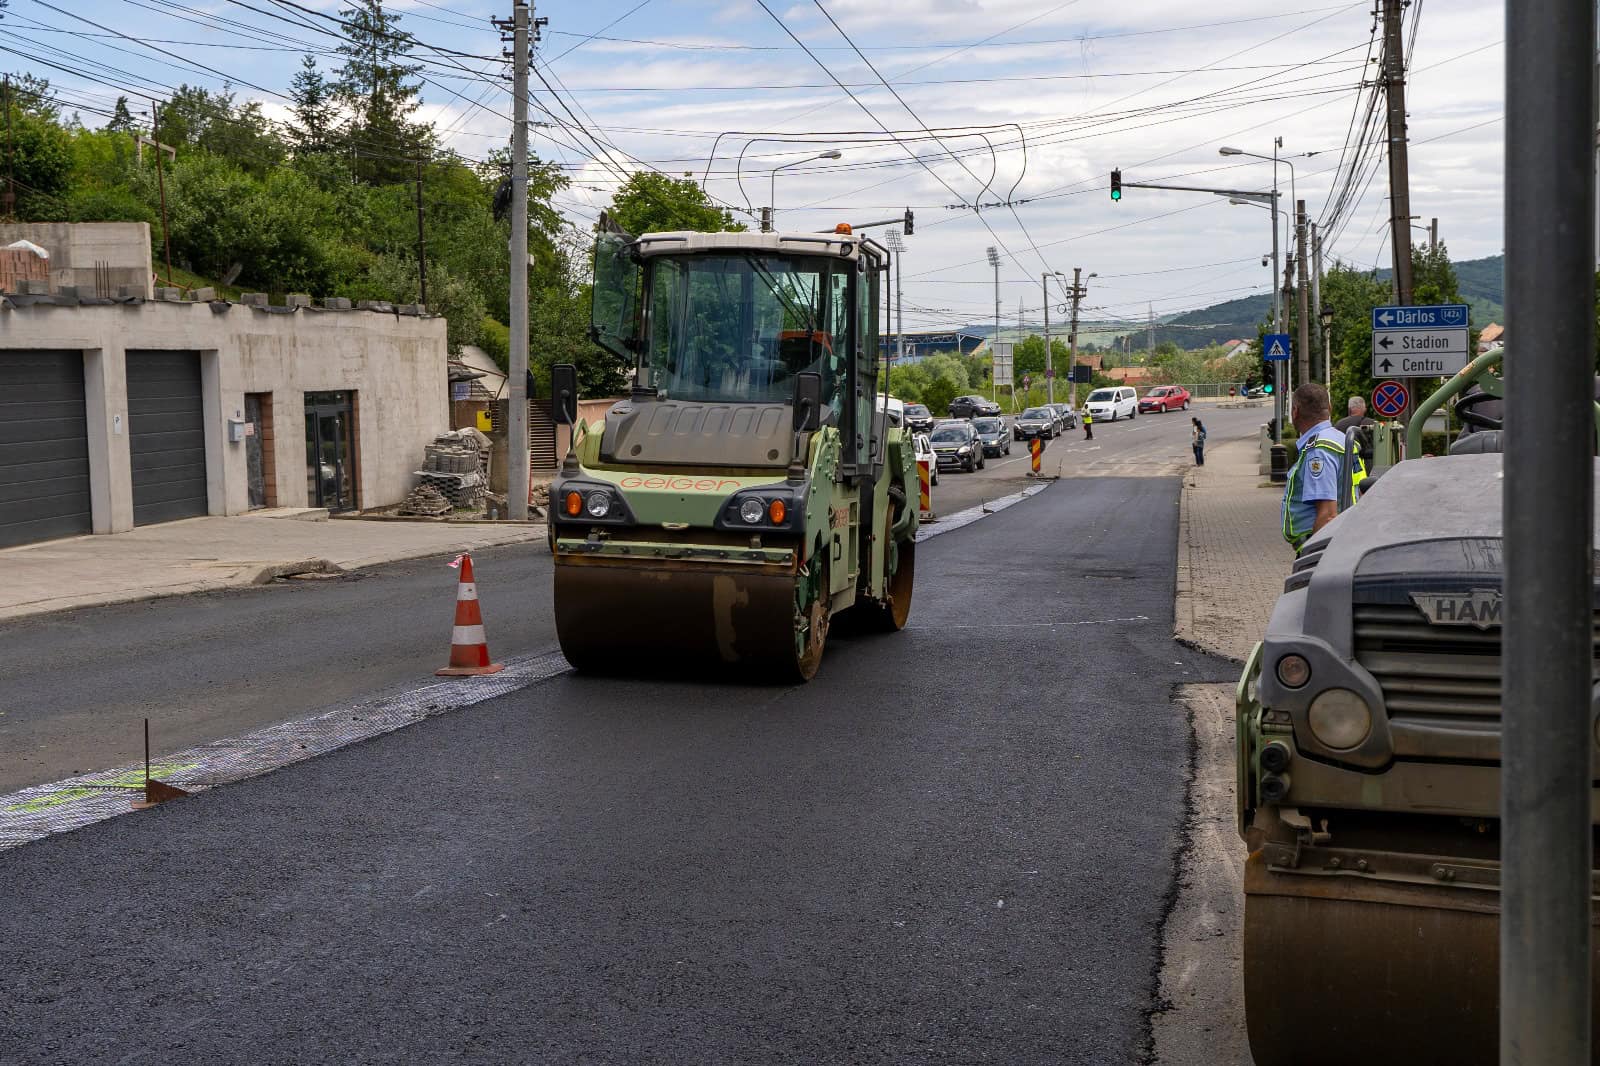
(62, 806)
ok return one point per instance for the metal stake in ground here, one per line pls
(154, 791)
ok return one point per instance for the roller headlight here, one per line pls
(598, 504)
(1294, 671)
(1340, 719)
(752, 510)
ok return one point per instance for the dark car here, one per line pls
(957, 446)
(918, 418)
(993, 435)
(973, 407)
(1068, 417)
(1035, 422)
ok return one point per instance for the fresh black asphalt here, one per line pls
(75, 686)
(955, 845)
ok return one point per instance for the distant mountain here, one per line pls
(1482, 287)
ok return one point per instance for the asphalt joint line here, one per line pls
(1182, 850)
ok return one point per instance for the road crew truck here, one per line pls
(749, 488)
(1368, 775)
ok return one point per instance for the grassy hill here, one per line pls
(1482, 286)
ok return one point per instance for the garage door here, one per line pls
(44, 449)
(166, 436)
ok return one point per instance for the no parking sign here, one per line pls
(1390, 398)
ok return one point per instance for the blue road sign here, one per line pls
(1390, 398)
(1435, 316)
(1276, 347)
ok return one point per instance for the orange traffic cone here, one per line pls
(469, 651)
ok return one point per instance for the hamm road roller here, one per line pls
(749, 488)
(1368, 773)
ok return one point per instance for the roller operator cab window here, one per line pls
(737, 328)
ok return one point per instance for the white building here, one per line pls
(124, 412)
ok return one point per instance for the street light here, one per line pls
(1277, 289)
(772, 184)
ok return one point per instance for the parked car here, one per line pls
(1068, 417)
(925, 454)
(957, 446)
(1110, 404)
(993, 435)
(1035, 422)
(973, 407)
(1255, 392)
(893, 408)
(918, 418)
(1165, 398)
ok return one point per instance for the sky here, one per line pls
(1004, 119)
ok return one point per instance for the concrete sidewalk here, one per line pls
(203, 554)
(1232, 558)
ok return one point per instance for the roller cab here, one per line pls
(749, 489)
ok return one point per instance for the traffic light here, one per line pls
(1267, 388)
(1116, 184)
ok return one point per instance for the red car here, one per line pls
(1165, 398)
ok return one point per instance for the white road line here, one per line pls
(1041, 625)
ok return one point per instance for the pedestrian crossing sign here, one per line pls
(1275, 347)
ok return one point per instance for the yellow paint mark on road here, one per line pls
(131, 780)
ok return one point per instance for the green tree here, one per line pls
(121, 117)
(649, 202)
(313, 108)
(378, 88)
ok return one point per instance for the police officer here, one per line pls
(1088, 425)
(1311, 497)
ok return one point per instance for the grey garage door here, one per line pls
(166, 436)
(44, 450)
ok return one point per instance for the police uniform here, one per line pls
(1314, 476)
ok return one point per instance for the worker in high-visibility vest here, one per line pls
(1088, 425)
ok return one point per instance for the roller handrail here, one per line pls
(1454, 387)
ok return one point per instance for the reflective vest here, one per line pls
(1297, 530)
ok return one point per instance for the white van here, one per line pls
(1108, 405)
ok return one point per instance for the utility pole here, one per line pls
(1547, 497)
(161, 179)
(11, 158)
(1150, 332)
(1049, 375)
(897, 246)
(1433, 235)
(422, 245)
(1326, 333)
(1078, 292)
(994, 261)
(1303, 356)
(1394, 82)
(517, 422)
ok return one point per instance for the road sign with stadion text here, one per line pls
(1420, 342)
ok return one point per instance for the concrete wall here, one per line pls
(75, 248)
(396, 364)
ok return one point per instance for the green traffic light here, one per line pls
(1116, 194)
(1267, 389)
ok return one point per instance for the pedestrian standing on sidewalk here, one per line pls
(1199, 435)
(1311, 497)
(1088, 425)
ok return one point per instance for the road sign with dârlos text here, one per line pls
(1420, 342)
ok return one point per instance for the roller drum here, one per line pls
(1343, 969)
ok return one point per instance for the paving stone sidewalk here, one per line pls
(1231, 556)
(203, 554)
